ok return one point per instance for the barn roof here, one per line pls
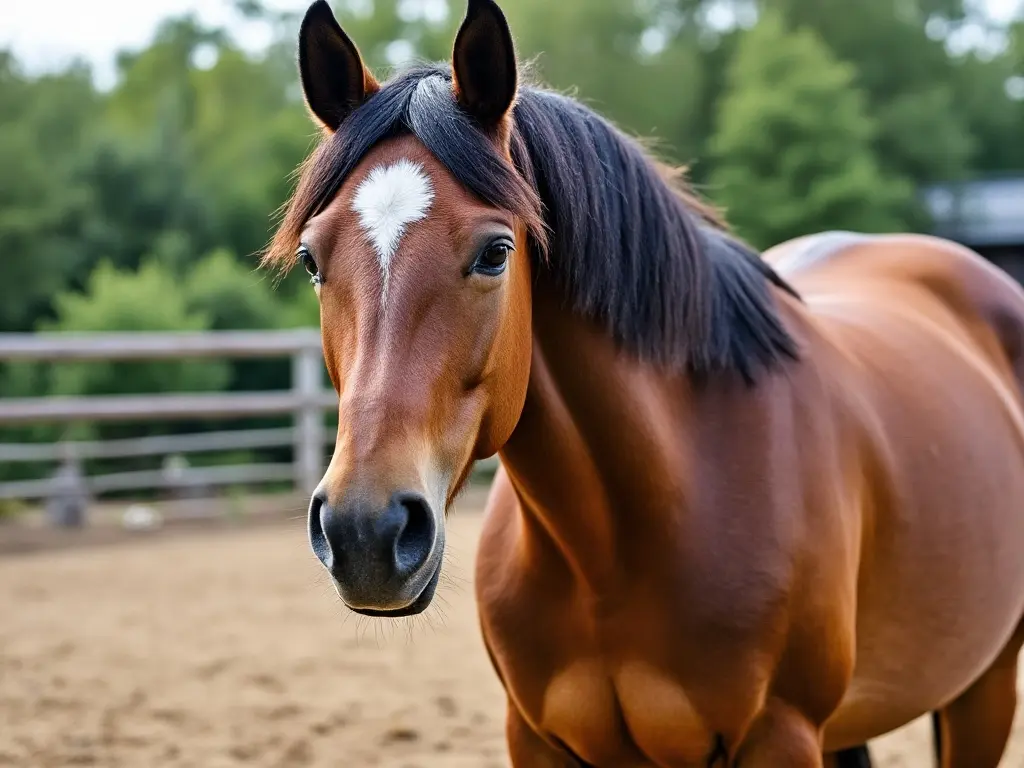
(981, 212)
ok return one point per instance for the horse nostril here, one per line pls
(416, 539)
(317, 538)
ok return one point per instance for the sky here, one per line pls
(46, 34)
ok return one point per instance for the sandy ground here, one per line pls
(232, 650)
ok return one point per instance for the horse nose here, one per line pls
(371, 552)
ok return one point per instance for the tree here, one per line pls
(192, 150)
(905, 72)
(633, 62)
(792, 149)
(994, 110)
(150, 299)
(46, 123)
(231, 125)
(235, 297)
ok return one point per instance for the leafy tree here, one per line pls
(45, 125)
(1015, 85)
(150, 299)
(793, 145)
(985, 89)
(141, 207)
(142, 200)
(192, 150)
(302, 310)
(901, 64)
(234, 125)
(230, 295)
(630, 61)
(236, 297)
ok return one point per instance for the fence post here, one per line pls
(68, 497)
(307, 379)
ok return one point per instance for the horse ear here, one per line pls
(484, 63)
(334, 79)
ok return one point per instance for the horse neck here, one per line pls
(596, 459)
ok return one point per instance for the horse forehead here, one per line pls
(400, 185)
(389, 199)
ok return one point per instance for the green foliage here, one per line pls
(616, 58)
(993, 118)
(10, 509)
(143, 207)
(230, 295)
(236, 128)
(901, 65)
(175, 173)
(235, 297)
(150, 299)
(42, 207)
(1016, 45)
(303, 310)
(793, 145)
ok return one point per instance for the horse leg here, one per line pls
(973, 729)
(781, 736)
(528, 750)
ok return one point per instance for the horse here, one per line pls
(753, 509)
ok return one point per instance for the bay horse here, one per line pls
(753, 510)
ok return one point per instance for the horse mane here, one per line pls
(621, 235)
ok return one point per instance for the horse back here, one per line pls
(831, 266)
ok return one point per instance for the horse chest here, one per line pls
(633, 715)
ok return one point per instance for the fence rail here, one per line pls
(155, 479)
(159, 407)
(67, 347)
(160, 445)
(306, 402)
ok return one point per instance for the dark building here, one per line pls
(986, 215)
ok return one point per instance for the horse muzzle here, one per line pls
(384, 560)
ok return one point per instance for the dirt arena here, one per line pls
(230, 649)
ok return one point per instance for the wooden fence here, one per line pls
(306, 402)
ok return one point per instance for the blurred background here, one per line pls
(163, 408)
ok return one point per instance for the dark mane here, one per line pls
(617, 232)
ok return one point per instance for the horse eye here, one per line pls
(309, 263)
(493, 259)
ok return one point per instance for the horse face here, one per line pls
(425, 314)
